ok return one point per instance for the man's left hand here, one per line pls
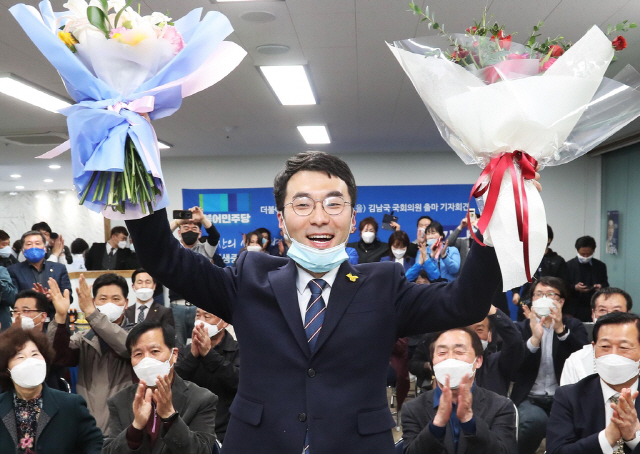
(556, 318)
(625, 416)
(162, 397)
(85, 301)
(198, 215)
(395, 225)
(536, 181)
(203, 341)
(58, 246)
(40, 289)
(465, 399)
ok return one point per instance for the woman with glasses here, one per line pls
(33, 417)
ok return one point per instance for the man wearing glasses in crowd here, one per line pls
(315, 331)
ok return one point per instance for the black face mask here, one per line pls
(190, 238)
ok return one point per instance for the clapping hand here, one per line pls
(537, 326)
(58, 246)
(200, 341)
(444, 409)
(162, 397)
(465, 399)
(61, 302)
(85, 301)
(142, 406)
(556, 317)
(625, 416)
(423, 253)
(40, 289)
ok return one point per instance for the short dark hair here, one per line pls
(118, 229)
(585, 241)
(315, 161)
(476, 343)
(42, 304)
(78, 246)
(423, 217)
(607, 292)
(423, 274)
(191, 222)
(33, 233)
(53, 235)
(4, 236)
(41, 226)
(401, 236)
(437, 227)
(616, 318)
(110, 279)
(368, 221)
(549, 233)
(262, 230)
(551, 281)
(17, 245)
(138, 271)
(168, 333)
(12, 341)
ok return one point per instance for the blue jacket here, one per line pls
(337, 394)
(429, 266)
(7, 298)
(23, 278)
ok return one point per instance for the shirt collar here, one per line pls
(608, 392)
(109, 247)
(304, 277)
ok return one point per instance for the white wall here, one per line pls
(571, 192)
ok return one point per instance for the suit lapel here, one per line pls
(342, 292)
(283, 283)
(49, 409)
(8, 416)
(130, 313)
(592, 406)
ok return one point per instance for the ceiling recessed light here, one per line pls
(163, 145)
(290, 84)
(13, 193)
(315, 135)
(62, 192)
(48, 180)
(15, 175)
(272, 49)
(54, 166)
(18, 88)
(260, 17)
(19, 187)
(237, 1)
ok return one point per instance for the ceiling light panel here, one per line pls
(290, 84)
(315, 135)
(15, 87)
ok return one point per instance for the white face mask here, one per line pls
(485, 344)
(398, 253)
(542, 306)
(26, 322)
(368, 237)
(29, 373)
(615, 369)
(111, 310)
(144, 294)
(211, 329)
(149, 369)
(122, 244)
(455, 368)
(582, 259)
(132, 247)
(254, 248)
(5, 251)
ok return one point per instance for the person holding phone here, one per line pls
(421, 233)
(446, 258)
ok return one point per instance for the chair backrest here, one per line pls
(517, 420)
(399, 446)
(589, 327)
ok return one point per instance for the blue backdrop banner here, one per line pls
(238, 211)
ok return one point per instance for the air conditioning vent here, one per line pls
(45, 138)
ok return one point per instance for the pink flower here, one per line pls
(172, 35)
(517, 56)
(119, 31)
(26, 442)
(548, 64)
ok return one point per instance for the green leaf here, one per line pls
(632, 25)
(426, 11)
(128, 25)
(423, 19)
(98, 19)
(436, 26)
(105, 6)
(608, 29)
(115, 21)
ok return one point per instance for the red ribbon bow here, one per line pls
(495, 171)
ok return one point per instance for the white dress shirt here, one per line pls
(546, 382)
(146, 304)
(304, 292)
(578, 366)
(607, 393)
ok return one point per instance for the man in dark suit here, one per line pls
(34, 272)
(550, 339)
(162, 414)
(599, 414)
(112, 255)
(458, 416)
(586, 276)
(145, 308)
(314, 379)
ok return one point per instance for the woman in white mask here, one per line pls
(369, 248)
(35, 418)
(398, 245)
(252, 243)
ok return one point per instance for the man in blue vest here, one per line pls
(316, 332)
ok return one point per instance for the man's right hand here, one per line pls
(60, 302)
(612, 432)
(58, 246)
(194, 339)
(537, 326)
(444, 409)
(423, 253)
(142, 406)
(84, 297)
(463, 223)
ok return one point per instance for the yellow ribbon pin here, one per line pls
(351, 277)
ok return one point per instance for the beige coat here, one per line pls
(103, 370)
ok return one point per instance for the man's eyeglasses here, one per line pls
(552, 295)
(24, 312)
(304, 206)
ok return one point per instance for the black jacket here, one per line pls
(369, 253)
(218, 372)
(528, 371)
(95, 254)
(577, 417)
(589, 274)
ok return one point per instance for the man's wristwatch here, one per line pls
(636, 436)
(171, 417)
(565, 330)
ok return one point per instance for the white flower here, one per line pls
(77, 7)
(157, 18)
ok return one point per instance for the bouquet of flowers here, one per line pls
(124, 70)
(510, 108)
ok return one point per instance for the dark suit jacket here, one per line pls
(580, 303)
(156, 312)
(495, 418)
(338, 392)
(526, 375)
(8, 293)
(577, 417)
(65, 425)
(23, 278)
(191, 433)
(93, 257)
(408, 261)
